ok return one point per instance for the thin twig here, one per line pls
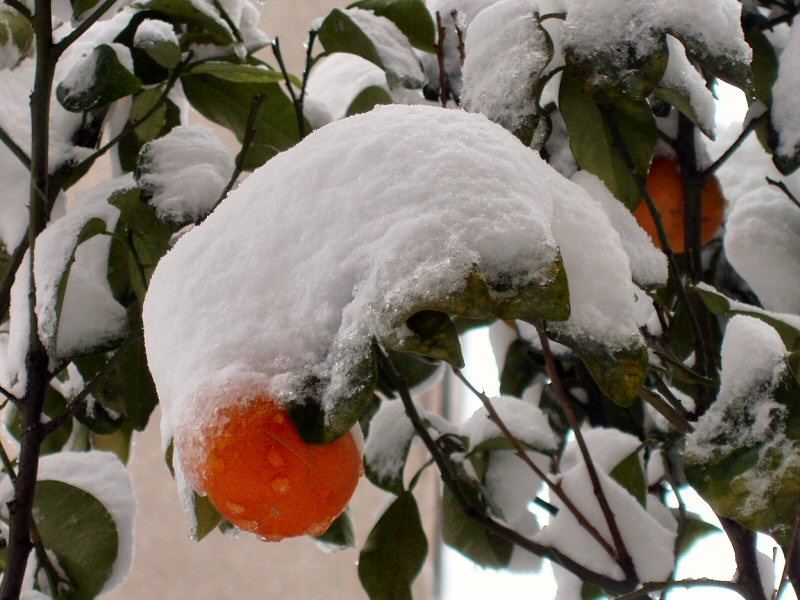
(297, 100)
(462, 51)
(789, 556)
(623, 557)
(76, 33)
(312, 37)
(72, 407)
(711, 169)
(785, 189)
(655, 586)
(9, 396)
(20, 8)
(743, 542)
(522, 454)
(249, 136)
(444, 93)
(16, 150)
(9, 276)
(450, 480)
(666, 410)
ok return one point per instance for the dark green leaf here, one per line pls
(412, 17)
(764, 65)
(518, 369)
(164, 52)
(340, 534)
(680, 101)
(16, 31)
(394, 552)
(206, 517)
(629, 474)
(237, 73)
(368, 99)
(118, 442)
(593, 142)
(206, 27)
(79, 530)
(110, 81)
(694, 529)
(435, 336)
(470, 539)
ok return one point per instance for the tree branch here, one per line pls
(15, 148)
(444, 91)
(76, 33)
(9, 276)
(743, 541)
(666, 410)
(790, 555)
(623, 557)
(785, 189)
(656, 586)
(297, 100)
(523, 455)
(711, 169)
(476, 513)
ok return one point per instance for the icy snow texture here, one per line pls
(762, 242)
(648, 263)
(339, 78)
(324, 246)
(153, 31)
(90, 316)
(102, 475)
(682, 77)
(752, 365)
(390, 432)
(786, 97)
(185, 171)
(607, 447)
(649, 543)
(506, 52)
(610, 26)
(397, 56)
(525, 421)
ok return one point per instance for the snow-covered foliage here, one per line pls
(527, 423)
(786, 107)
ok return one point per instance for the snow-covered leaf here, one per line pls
(237, 73)
(224, 95)
(340, 534)
(386, 451)
(209, 25)
(162, 121)
(593, 142)
(376, 39)
(507, 50)
(157, 38)
(367, 99)
(695, 528)
(786, 106)
(184, 173)
(744, 455)
(16, 37)
(526, 422)
(384, 571)
(100, 78)
(411, 17)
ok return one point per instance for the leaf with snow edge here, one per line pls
(206, 518)
(744, 456)
(236, 73)
(469, 538)
(385, 573)
(630, 475)
(785, 115)
(221, 98)
(210, 25)
(526, 422)
(339, 536)
(16, 38)
(184, 173)
(593, 143)
(695, 528)
(518, 369)
(683, 87)
(376, 39)
(79, 530)
(390, 435)
(507, 50)
(416, 371)
(118, 443)
(765, 62)
(97, 81)
(412, 17)
(787, 325)
(367, 99)
(157, 38)
(162, 121)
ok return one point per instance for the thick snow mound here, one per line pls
(368, 221)
(786, 106)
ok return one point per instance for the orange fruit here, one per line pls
(665, 185)
(263, 477)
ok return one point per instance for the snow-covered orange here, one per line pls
(665, 185)
(263, 477)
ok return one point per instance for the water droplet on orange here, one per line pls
(275, 459)
(281, 485)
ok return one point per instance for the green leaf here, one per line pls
(435, 336)
(367, 99)
(91, 228)
(102, 80)
(414, 368)
(340, 534)
(518, 369)
(76, 526)
(681, 102)
(412, 17)
(394, 552)
(629, 474)
(15, 31)
(164, 52)
(470, 539)
(593, 143)
(237, 73)
(206, 26)
(206, 517)
(764, 65)
(221, 98)
(341, 33)
(118, 442)
(719, 63)
(694, 529)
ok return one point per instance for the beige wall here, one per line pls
(168, 565)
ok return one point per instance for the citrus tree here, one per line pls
(548, 169)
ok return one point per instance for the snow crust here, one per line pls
(396, 54)
(153, 31)
(329, 243)
(786, 97)
(682, 77)
(185, 171)
(339, 78)
(648, 263)
(762, 242)
(102, 475)
(608, 447)
(524, 420)
(82, 76)
(390, 433)
(506, 51)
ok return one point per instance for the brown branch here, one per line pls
(444, 90)
(791, 558)
(519, 450)
(785, 189)
(666, 410)
(711, 169)
(9, 276)
(623, 557)
(462, 51)
(15, 148)
(743, 542)
(475, 513)
(76, 33)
